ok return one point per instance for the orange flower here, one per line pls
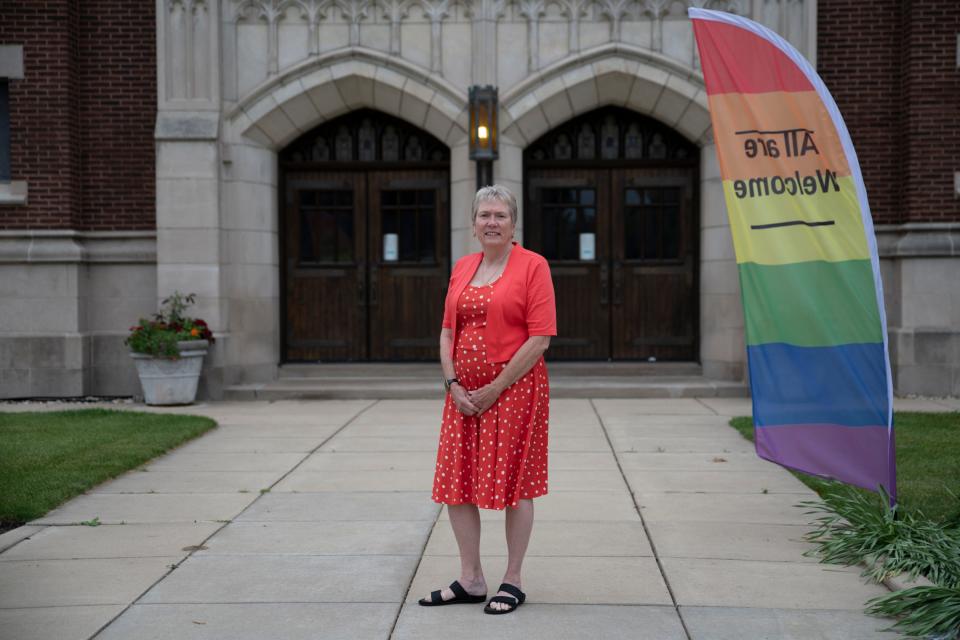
(194, 332)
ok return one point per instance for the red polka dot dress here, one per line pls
(495, 459)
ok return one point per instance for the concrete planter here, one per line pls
(166, 381)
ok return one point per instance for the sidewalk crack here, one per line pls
(413, 575)
(646, 530)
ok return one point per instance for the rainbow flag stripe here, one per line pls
(807, 257)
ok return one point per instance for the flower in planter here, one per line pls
(159, 337)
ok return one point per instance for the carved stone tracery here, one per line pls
(656, 9)
(574, 10)
(394, 11)
(610, 134)
(484, 16)
(353, 11)
(436, 10)
(270, 11)
(532, 10)
(364, 136)
(615, 10)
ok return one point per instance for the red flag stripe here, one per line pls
(737, 61)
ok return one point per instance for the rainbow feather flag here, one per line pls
(806, 255)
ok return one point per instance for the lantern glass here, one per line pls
(483, 123)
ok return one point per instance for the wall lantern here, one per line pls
(483, 131)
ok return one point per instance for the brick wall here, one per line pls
(118, 108)
(44, 147)
(890, 65)
(81, 121)
(931, 92)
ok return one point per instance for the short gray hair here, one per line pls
(498, 193)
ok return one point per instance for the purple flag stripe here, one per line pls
(827, 449)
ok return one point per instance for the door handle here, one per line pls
(617, 283)
(604, 284)
(374, 286)
(361, 287)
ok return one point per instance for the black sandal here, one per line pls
(460, 596)
(514, 602)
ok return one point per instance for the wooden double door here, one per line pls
(366, 264)
(622, 248)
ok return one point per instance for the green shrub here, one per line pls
(858, 527)
(923, 612)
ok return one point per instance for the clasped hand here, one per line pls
(473, 403)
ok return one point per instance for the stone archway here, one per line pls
(364, 236)
(217, 178)
(323, 87)
(612, 74)
(653, 85)
(610, 201)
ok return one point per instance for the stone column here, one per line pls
(189, 255)
(722, 345)
(508, 171)
(188, 222)
(463, 186)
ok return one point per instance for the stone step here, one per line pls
(424, 388)
(431, 370)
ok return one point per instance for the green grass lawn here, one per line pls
(928, 462)
(47, 458)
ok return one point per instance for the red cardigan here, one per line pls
(524, 305)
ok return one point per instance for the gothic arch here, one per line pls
(611, 74)
(323, 87)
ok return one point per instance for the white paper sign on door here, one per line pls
(588, 242)
(390, 243)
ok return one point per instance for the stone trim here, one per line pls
(13, 193)
(120, 246)
(918, 239)
(11, 61)
(68, 246)
(187, 125)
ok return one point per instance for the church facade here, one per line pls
(303, 167)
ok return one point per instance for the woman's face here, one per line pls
(493, 225)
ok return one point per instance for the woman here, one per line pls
(498, 318)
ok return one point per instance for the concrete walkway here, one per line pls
(314, 520)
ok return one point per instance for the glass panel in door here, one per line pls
(324, 311)
(567, 222)
(408, 272)
(653, 304)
